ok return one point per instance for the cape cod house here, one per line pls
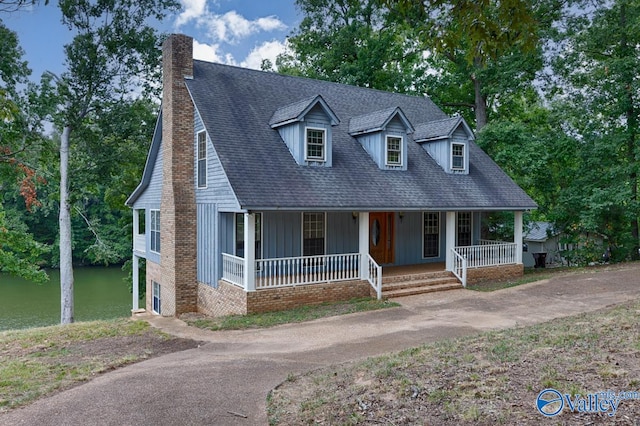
(263, 191)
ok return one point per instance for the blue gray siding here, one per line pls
(150, 200)
(294, 136)
(440, 150)
(409, 239)
(218, 190)
(375, 144)
(208, 258)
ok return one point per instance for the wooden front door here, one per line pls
(381, 237)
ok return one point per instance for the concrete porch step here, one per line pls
(411, 284)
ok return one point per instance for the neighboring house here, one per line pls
(542, 242)
(264, 191)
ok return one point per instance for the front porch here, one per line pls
(388, 280)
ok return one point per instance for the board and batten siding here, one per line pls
(218, 190)
(375, 144)
(208, 234)
(150, 200)
(409, 239)
(294, 136)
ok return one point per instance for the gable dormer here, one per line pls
(305, 127)
(383, 134)
(447, 142)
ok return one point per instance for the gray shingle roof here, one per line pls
(295, 111)
(376, 121)
(237, 104)
(436, 129)
(539, 231)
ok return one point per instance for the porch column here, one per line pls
(450, 234)
(136, 267)
(517, 235)
(136, 274)
(363, 243)
(249, 252)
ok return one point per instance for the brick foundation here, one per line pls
(477, 275)
(154, 273)
(229, 299)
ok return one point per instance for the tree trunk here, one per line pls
(480, 100)
(66, 267)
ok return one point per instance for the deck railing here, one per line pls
(488, 254)
(233, 269)
(288, 271)
(140, 243)
(374, 276)
(460, 267)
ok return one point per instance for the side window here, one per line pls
(157, 304)
(155, 230)
(202, 160)
(315, 144)
(240, 235)
(313, 234)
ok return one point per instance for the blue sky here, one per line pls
(237, 32)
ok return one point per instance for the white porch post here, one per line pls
(136, 225)
(363, 244)
(517, 235)
(136, 267)
(249, 252)
(450, 238)
(136, 273)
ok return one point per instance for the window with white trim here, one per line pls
(431, 234)
(202, 160)
(464, 229)
(315, 144)
(240, 235)
(154, 230)
(156, 300)
(457, 156)
(313, 234)
(394, 151)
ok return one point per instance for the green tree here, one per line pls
(114, 45)
(19, 146)
(485, 51)
(353, 42)
(600, 93)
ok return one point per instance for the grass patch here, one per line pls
(270, 319)
(39, 361)
(490, 378)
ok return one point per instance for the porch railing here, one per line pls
(459, 267)
(233, 269)
(488, 254)
(374, 276)
(140, 243)
(283, 272)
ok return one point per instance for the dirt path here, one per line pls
(225, 381)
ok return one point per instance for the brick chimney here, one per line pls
(178, 208)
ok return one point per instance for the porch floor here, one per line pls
(392, 271)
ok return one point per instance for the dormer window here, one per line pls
(457, 156)
(315, 144)
(394, 151)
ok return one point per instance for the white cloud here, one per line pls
(192, 9)
(233, 27)
(267, 50)
(206, 52)
(230, 27)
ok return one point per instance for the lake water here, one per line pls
(99, 293)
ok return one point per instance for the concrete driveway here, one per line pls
(226, 380)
